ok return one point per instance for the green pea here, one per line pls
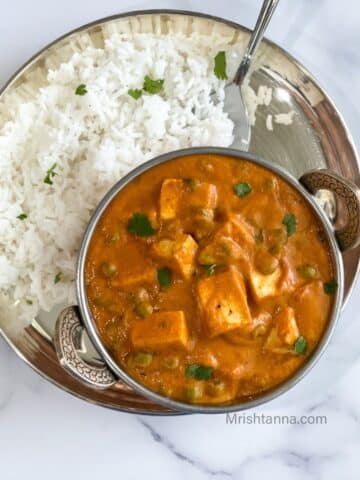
(277, 238)
(269, 266)
(269, 183)
(109, 269)
(266, 263)
(171, 362)
(206, 258)
(143, 309)
(309, 271)
(143, 359)
(194, 392)
(115, 237)
(100, 301)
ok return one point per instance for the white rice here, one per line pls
(269, 122)
(284, 118)
(264, 95)
(94, 140)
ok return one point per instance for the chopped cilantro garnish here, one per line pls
(135, 93)
(22, 216)
(210, 269)
(220, 66)
(290, 223)
(50, 174)
(152, 86)
(199, 372)
(57, 278)
(330, 287)
(164, 277)
(242, 189)
(300, 346)
(140, 225)
(81, 89)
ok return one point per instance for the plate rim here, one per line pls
(133, 13)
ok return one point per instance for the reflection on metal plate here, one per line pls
(327, 202)
(295, 147)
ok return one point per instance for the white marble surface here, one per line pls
(45, 433)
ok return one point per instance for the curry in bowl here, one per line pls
(210, 279)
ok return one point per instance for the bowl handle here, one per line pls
(347, 236)
(67, 335)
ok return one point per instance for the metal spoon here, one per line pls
(234, 103)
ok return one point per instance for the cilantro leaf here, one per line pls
(57, 278)
(29, 301)
(290, 223)
(22, 216)
(330, 287)
(50, 174)
(300, 346)
(164, 277)
(81, 89)
(140, 225)
(199, 372)
(242, 189)
(135, 93)
(152, 86)
(210, 269)
(220, 66)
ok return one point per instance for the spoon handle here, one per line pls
(267, 10)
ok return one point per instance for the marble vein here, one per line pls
(158, 438)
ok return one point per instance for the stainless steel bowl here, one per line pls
(103, 376)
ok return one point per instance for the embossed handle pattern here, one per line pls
(67, 331)
(314, 180)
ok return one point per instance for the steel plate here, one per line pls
(318, 137)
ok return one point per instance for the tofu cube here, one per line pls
(160, 330)
(287, 328)
(273, 343)
(144, 277)
(163, 249)
(200, 222)
(178, 254)
(204, 195)
(184, 253)
(285, 332)
(223, 302)
(263, 286)
(228, 243)
(310, 301)
(239, 230)
(170, 197)
(221, 251)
